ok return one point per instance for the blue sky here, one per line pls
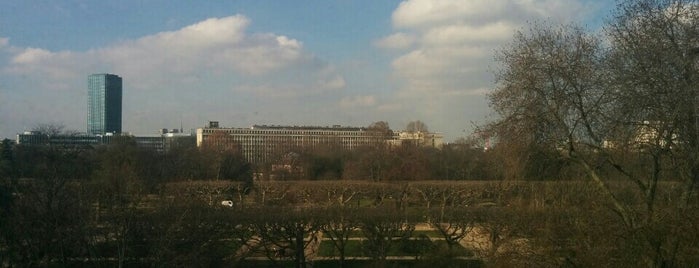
(263, 62)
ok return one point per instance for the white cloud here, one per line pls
(433, 61)
(390, 107)
(4, 41)
(31, 55)
(358, 101)
(37, 61)
(302, 81)
(218, 43)
(454, 40)
(216, 46)
(193, 68)
(414, 14)
(396, 41)
(336, 82)
(418, 14)
(450, 48)
(460, 33)
(284, 89)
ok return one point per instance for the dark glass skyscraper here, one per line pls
(103, 104)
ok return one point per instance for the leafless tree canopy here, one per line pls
(626, 108)
(49, 129)
(416, 126)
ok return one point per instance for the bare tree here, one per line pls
(655, 80)
(340, 194)
(51, 129)
(381, 128)
(382, 228)
(453, 225)
(224, 157)
(549, 95)
(653, 66)
(629, 110)
(338, 225)
(416, 126)
(287, 233)
(270, 191)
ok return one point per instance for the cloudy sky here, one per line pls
(336, 62)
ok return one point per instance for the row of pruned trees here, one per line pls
(513, 224)
(184, 224)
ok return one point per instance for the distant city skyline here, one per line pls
(257, 62)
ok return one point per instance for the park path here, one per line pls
(312, 250)
(249, 245)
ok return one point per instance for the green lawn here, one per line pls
(356, 248)
(353, 248)
(432, 263)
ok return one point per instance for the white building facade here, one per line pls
(258, 144)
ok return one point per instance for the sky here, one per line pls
(302, 62)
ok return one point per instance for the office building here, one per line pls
(104, 95)
(419, 138)
(161, 143)
(260, 144)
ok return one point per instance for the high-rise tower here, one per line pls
(103, 104)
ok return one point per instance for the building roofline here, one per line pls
(335, 127)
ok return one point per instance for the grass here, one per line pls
(353, 248)
(428, 263)
(413, 247)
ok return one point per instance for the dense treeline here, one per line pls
(185, 161)
(390, 163)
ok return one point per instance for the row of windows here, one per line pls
(256, 148)
(289, 132)
(295, 140)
